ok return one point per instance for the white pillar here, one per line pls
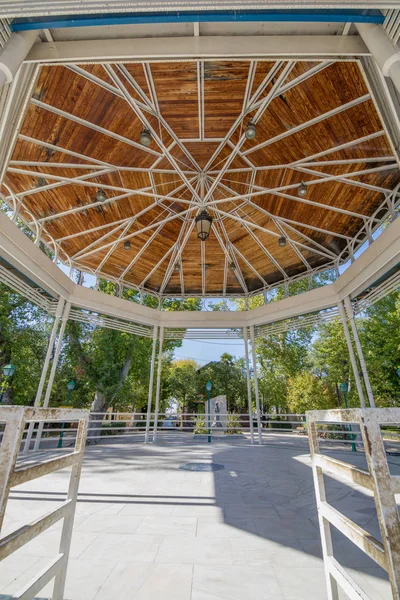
(150, 396)
(49, 388)
(253, 351)
(158, 385)
(353, 361)
(249, 399)
(14, 54)
(360, 353)
(60, 307)
(383, 50)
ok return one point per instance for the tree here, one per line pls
(309, 392)
(182, 383)
(228, 376)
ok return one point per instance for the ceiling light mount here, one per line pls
(251, 130)
(302, 190)
(101, 196)
(127, 245)
(145, 137)
(177, 267)
(203, 225)
(282, 241)
(232, 266)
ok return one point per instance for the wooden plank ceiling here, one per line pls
(315, 123)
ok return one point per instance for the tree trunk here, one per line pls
(99, 406)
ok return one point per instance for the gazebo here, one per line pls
(204, 153)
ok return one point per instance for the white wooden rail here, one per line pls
(15, 419)
(377, 479)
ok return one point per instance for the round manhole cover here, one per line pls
(202, 467)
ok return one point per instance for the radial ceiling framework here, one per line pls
(316, 123)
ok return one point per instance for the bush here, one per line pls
(278, 424)
(233, 424)
(200, 426)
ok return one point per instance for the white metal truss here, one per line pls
(303, 322)
(214, 174)
(377, 292)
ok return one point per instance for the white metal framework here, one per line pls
(207, 186)
(14, 420)
(377, 479)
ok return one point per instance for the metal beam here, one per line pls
(203, 47)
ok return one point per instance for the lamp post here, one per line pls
(344, 389)
(209, 388)
(70, 388)
(8, 372)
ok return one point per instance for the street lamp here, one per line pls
(8, 372)
(209, 388)
(344, 388)
(70, 388)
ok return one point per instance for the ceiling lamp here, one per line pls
(145, 137)
(302, 190)
(251, 130)
(177, 267)
(127, 245)
(282, 241)
(101, 196)
(203, 225)
(232, 266)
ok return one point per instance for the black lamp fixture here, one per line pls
(177, 267)
(145, 137)
(232, 266)
(302, 190)
(251, 130)
(127, 245)
(203, 225)
(282, 241)
(101, 196)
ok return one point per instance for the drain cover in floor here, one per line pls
(201, 467)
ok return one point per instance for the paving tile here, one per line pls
(185, 526)
(147, 582)
(13, 569)
(185, 550)
(234, 583)
(220, 528)
(106, 523)
(84, 579)
(134, 548)
(148, 508)
(47, 544)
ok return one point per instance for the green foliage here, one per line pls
(233, 424)
(308, 392)
(228, 376)
(200, 427)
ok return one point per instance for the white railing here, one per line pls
(110, 427)
(376, 478)
(14, 472)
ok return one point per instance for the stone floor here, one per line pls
(146, 529)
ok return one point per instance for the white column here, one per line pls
(158, 385)
(253, 351)
(150, 396)
(353, 361)
(60, 307)
(14, 54)
(49, 388)
(249, 399)
(360, 353)
(384, 51)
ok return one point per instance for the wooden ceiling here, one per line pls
(316, 123)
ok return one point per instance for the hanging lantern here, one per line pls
(203, 225)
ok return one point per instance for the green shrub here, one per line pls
(200, 426)
(233, 426)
